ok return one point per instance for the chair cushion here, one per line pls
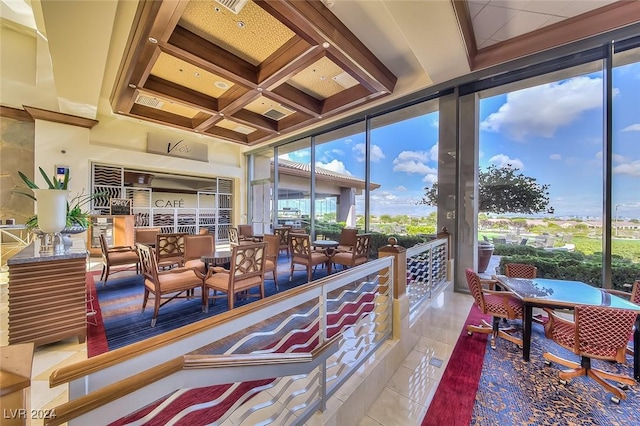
(564, 334)
(196, 263)
(124, 257)
(220, 281)
(176, 281)
(342, 258)
(494, 306)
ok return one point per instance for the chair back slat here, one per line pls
(248, 261)
(300, 245)
(520, 270)
(234, 239)
(602, 331)
(475, 287)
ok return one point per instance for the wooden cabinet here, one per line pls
(118, 230)
(47, 295)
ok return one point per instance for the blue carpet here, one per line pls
(514, 392)
(121, 303)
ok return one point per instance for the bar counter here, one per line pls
(47, 294)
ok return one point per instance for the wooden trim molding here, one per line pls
(15, 113)
(59, 117)
(461, 9)
(598, 21)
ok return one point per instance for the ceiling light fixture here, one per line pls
(197, 74)
(326, 45)
(259, 89)
(153, 40)
(221, 85)
(240, 24)
(132, 86)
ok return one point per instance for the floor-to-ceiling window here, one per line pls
(404, 160)
(293, 207)
(339, 178)
(540, 162)
(625, 201)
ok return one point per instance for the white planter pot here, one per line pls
(52, 209)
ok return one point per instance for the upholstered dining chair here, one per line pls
(234, 238)
(196, 246)
(633, 295)
(147, 235)
(283, 233)
(357, 256)
(117, 256)
(347, 239)
(498, 304)
(170, 250)
(165, 285)
(597, 332)
(520, 270)
(246, 271)
(245, 233)
(303, 254)
(271, 257)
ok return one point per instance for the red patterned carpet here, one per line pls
(452, 404)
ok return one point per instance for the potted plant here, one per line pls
(74, 219)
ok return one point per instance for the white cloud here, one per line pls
(631, 169)
(435, 123)
(335, 166)
(413, 162)
(555, 157)
(502, 160)
(376, 153)
(632, 128)
(617, 158)
(430, 178)
(433, 152)
(401, 188)
(541, 110)
(338, 152)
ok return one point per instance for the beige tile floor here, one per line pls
(403, 401)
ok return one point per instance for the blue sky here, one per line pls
(552, 132)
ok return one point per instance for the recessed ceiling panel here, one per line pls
(236, 127)
(322, 79)
(268, 108)
(187, 75)
(166, 105)
(252, 34)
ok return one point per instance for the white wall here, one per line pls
(123, 143)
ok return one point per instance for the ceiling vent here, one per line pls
(149, 101)
(243, 129)
(274, 114)
(345, 80)
(233, 5)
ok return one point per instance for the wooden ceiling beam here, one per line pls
(252, 119)
(181, 94)
(286, 57)
(208, 56)
(227, 134)
(285, 93)
(161, 117)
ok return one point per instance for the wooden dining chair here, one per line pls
(117, 256)
(196, 246)
(283, 233)
(358, 255)
(498, 304)
(271, 257)
(302, 254)
(597, 332)
(170, 250)
(520, 270)
(147, 236)
(347, 239)
(245, 272)
(176, 283)
(245, 233)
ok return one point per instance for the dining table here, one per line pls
(564, 294)
(217, 258)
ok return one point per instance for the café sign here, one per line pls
(177, 147)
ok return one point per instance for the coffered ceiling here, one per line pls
(243, 70)
(273, 69)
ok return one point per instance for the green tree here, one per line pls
(503, 190)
